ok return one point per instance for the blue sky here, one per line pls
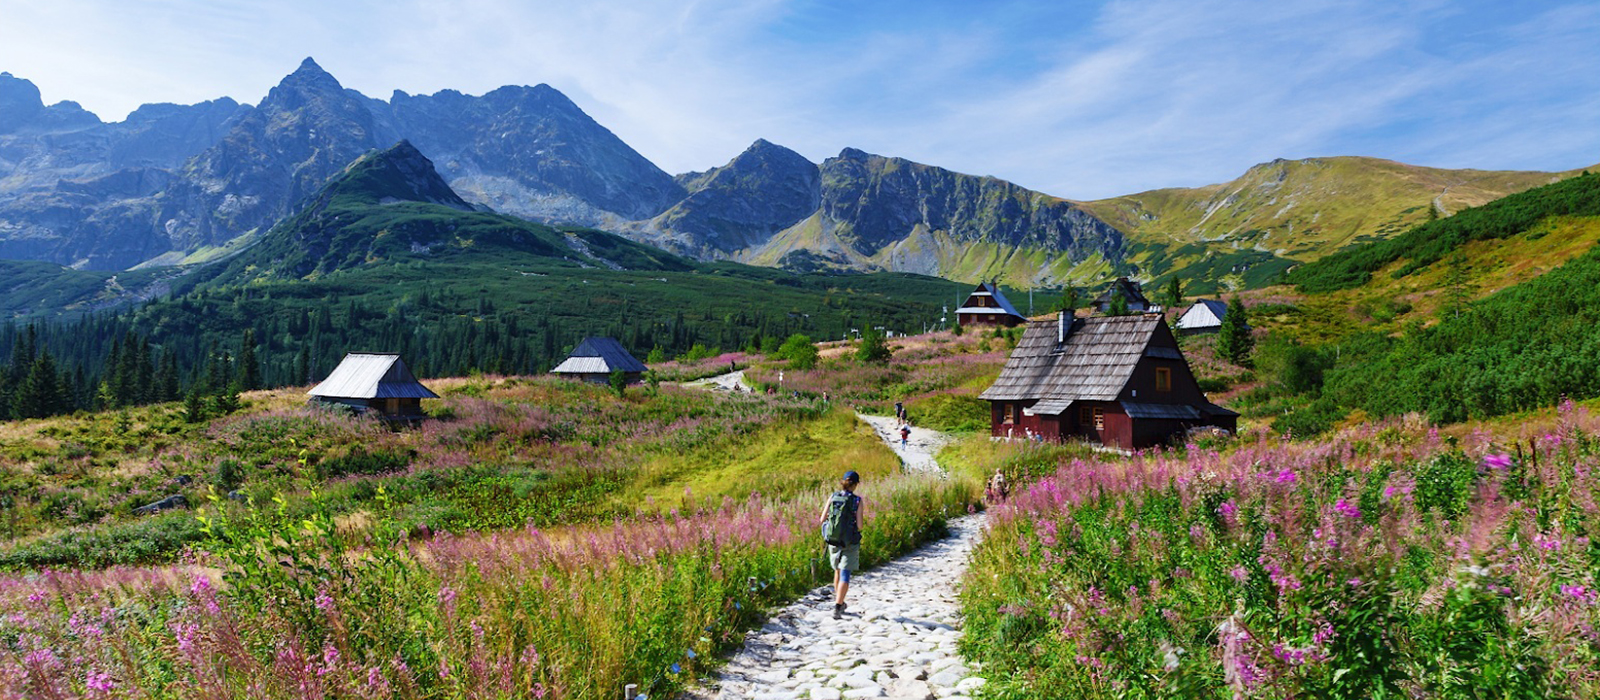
(1077, 99)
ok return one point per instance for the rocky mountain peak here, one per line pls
(19, 102)
(400, 173)
(308, 79)
(854, 154)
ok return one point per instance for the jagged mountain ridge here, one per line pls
(529, 151)
(859, 211)
(392, 206)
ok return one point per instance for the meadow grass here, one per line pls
(539, 539)
(1389, 560)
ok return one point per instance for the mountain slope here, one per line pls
(858, 211)
(531, 152)
(738, 206)
(391, 207)
(1297, 210)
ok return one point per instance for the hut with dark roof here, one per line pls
(596, 358)
(1117, 380)
(986, 306)
(377, 383)
(1130, 292)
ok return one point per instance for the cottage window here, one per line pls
(1163, 379)
(1009, 414)
(1099, 418)
(1085, 415)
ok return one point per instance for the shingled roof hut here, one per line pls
(986, 306)
(1117, 380)
(374, 382)
(596, 358)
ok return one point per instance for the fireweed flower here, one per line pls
(1347, 508)
(1497, 461)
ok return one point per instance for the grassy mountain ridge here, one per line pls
(1285, 211)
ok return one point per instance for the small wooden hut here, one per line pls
(596, 358)
(986, 306)
(1117, 380)
(1205, 316)
(374, 382)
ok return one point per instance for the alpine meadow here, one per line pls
(458, 394)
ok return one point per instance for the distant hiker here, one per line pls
(841, 530)
(998, 490)
(900, 410)
(824, 397)
(905, 435)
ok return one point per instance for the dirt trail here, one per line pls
(897, 639)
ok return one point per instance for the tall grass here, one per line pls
(1387, 561)
(296, 613)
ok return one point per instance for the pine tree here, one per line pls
(249, 367)
(1174, 292)
(1118, 305)
(873, 348)
(1233, 341)
(40, 394)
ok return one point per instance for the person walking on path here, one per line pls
(841, 530)
(905, 434)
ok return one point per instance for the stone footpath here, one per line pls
(897, 639)
(898, 636)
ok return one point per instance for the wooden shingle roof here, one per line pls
(1094, 363)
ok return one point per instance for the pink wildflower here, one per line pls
(1347, 508)
(1497, 461)
(99, 682)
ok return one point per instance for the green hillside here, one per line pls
(1465, 356)
(1432, 241)
(1283, 212)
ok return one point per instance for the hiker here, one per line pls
(900, 411)
(998, 490)
(905, 434)
(841, 530)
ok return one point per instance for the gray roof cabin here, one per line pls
(596, 358)
(1205, 316)
(374, 382)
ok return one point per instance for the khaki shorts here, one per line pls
(847, 557)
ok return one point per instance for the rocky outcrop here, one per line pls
(870, 202)
(531, 152)
(739, 206)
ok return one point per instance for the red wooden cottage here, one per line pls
(1117, 380)
(986, 306)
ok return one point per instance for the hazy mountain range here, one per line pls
(191, 183)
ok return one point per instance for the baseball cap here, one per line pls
(852, 477)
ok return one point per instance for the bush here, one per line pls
(799, 351)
